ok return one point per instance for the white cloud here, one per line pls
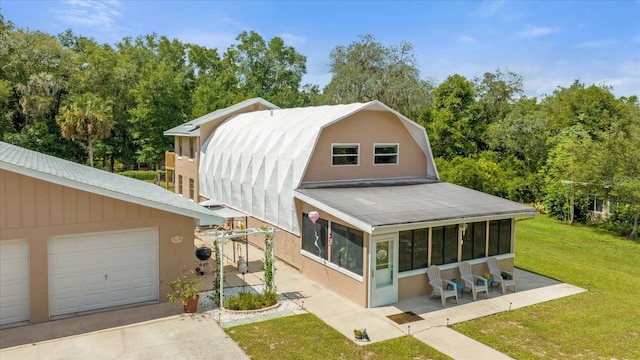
(535, 31)
(100, 14)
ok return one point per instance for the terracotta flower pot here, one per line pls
(192, 305)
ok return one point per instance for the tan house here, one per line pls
(75, 239)
(369, 172)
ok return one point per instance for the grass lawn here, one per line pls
(307, 337)
(603, 323)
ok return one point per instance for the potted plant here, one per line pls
(186, 290)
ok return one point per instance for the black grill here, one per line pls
(203, 253)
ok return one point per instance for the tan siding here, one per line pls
(28, 208)
(70, 210)
(64, 211)
(84, 202)
(109, 209)
(56, 204)
(43, 209)
(366, 128)
(4, 206)
(12, 196)
(96, 208)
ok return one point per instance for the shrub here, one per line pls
(251, 301)
(141, 175)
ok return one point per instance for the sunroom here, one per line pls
(382, 237)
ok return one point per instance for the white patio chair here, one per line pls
(502, 277)
(473, 283)
(439, 285)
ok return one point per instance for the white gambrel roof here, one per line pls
(77, 176)
(254, 161)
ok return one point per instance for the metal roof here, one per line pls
(253, 161)
(66, 173)
(377, 209)
(192, 128)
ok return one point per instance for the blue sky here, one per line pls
(549, 43)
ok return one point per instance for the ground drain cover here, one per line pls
(405, 317)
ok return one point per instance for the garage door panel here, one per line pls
(108, 269)
(14, 281)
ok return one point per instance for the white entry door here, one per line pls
(14, 281)
(384, 274)
(95, 271)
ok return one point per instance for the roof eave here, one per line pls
(202, 218)
(391, 228)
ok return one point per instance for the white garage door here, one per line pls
(14, 281)
(95, 271)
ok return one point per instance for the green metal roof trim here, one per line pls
(66, 173)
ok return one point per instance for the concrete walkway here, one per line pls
(199, 336)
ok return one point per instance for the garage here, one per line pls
(102, 270)
(14, 281)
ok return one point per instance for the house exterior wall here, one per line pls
(186, 166)
(288, 248)
(37, 210)
(366, 128)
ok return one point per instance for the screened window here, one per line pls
(310, 244)
(474, 241)
(414, 249)
(346, 251)
(345, 154)
(180, 184)
(444, 245)
(499, 237)
(191, 189)
(385, 154)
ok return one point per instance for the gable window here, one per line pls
(474, 241)
(345, 154)
(414, 249)
(444, 245)
(192, 148)
(191, 189)
(180, 185)
(346, 251)
(385, 154)
(499, 237)
(310, 244)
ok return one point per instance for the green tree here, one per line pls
(451, 121)
(565, 175)
(86, 118)
(270, 70)
(366, 70)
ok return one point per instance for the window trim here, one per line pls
(397, 153)
(357, 155)
(192, 148)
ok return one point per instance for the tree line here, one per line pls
(108, 105)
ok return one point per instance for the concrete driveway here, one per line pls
(195, 336)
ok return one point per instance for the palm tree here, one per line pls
(87, 118)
